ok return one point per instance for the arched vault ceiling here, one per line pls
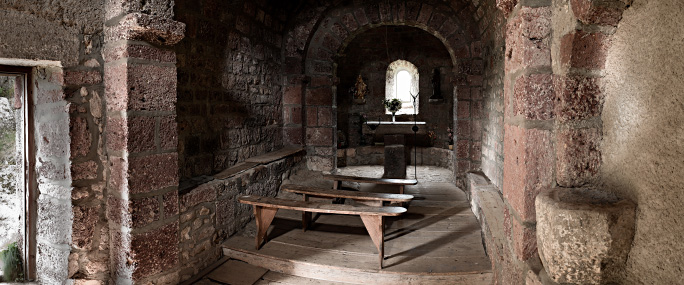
(334, 23)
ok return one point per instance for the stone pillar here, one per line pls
(141, 135)
(395, 157)
(319, 123)
(579, 57)
(293, 116)
(552, 108)
(528, 126)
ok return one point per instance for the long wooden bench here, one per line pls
(337, 180)
(265, 209)
(364, 198)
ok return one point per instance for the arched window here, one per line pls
(401, 82)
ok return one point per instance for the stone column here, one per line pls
(141, 134)
(552, 106)
(528, 125)
(319, 135)
(292, 110)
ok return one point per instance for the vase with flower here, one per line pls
(393, 106)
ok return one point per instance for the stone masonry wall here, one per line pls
(229, 84)
(210, 212)
(375, 155)
(493, 46)
(367, 54)
(72, 237)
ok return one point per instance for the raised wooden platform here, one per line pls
(437, 241)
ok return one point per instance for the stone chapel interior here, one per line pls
(153, 142)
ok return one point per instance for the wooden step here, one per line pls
(358, 268)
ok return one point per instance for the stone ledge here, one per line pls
(275, 155)
(252, 162)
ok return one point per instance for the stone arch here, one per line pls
(311, 71)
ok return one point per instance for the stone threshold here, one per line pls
(250, 163)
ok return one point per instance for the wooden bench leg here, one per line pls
(401, 189)
(306, 216)
(337, 184)
(376, 229)
(263, 216)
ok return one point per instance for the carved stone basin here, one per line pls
(583, 234)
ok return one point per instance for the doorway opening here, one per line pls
(17, 231)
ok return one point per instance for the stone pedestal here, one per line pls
(583, 235)
(395, 157)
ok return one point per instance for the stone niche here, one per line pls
(584, 234)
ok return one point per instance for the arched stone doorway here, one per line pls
(311, 82)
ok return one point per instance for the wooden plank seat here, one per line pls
(265, 209)
(337, 179)
(365, 198)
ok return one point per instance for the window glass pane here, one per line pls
(402, 79)
(403, 86)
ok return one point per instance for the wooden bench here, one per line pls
(364, 198)
(382, 181)
(265, 209)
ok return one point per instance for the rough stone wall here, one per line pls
(67, 129)
(375, 155)
(643, 144)
(493, 46)
(211, 212)
(369, 54)
(229, 84)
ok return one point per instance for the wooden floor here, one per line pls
(437, 241)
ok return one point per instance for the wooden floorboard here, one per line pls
(433, 245)
(437, 241)
(237, 272)
(273, 277)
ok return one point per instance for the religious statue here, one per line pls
(360, 90)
